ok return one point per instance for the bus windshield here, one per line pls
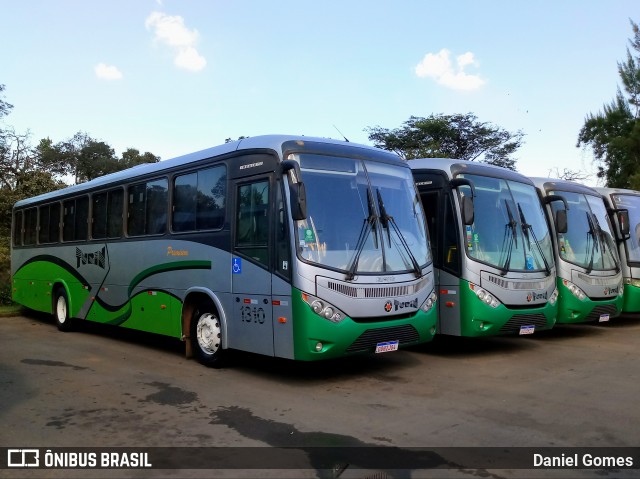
(509, 229)
(588, 242)
(362, 216)
(632, 204)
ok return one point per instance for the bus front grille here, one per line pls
(538, 320)
(368, 340)
(599, 310)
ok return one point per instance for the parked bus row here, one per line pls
(307, 248)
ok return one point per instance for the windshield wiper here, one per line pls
(368, 225)
(526, 228)
(511, 224)
(594, 247)
(387, 220)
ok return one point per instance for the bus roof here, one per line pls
(616, 191)
(454, 167)
(272, 142)
(553, 184)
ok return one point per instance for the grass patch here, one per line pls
(10, 310)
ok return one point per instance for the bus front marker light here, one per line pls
(318, 346)
(577, 292)
(432, 330)
(317, 307)
(554, 297)
(429, 302)
(322, 309)
(484, 296)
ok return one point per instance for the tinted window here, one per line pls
(147, 208)
(252, 220)
(30, 226)
(49, 223)
(114, 213)
(199, 200)
(17, 228)
(99, 215)
(107, 215)
(75, 215)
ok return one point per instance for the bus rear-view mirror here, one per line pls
(561, 221)
(623, 223)
(298, 195)
(468, 215)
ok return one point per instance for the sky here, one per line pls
(176, 76)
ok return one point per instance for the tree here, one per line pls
(614, 133)
(567, 174)
(5, 107)
(85, 158)
(132, 157)
(229, 140)
(450, 136)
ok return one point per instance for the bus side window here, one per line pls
(451, 248)
(431, 207)
(17, 229)
(30, 226)
(283, 263)
(252, 225)
(114, 213)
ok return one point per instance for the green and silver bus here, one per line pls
(589, 274)
(494, 265)
(292, 247)
(624, 211)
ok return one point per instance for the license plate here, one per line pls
(527, 329)
(603, 318)
(387, 346)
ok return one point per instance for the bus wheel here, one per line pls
(206, 336)
(61, 309)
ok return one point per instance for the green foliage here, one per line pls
(27, 171)
(5, 271)
(614, 133)
(450, 136)
(85, 158)
(132, 157)
(5, 107)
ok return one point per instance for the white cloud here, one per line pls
(172, 32)
(440, 67)
(107, 72)
(190, 59)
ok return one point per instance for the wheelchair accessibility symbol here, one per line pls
(236, 265)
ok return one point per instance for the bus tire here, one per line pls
(61, 309)
(206, 335)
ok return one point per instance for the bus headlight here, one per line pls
(554, 297)
(577, 292)
(484, 295)
(429, 302)
(323, 309)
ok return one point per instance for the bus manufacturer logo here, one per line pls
(97, 257)
(609, 291)
(252, 165)
(533, 296)
(396, 305)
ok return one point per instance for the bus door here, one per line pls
(438, 203)
(251, 325)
